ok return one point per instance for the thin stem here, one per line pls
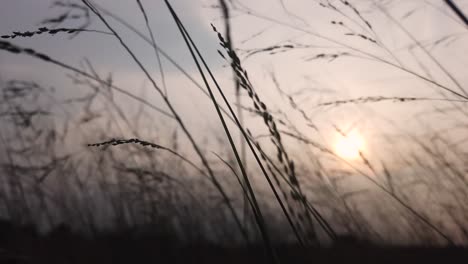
(366, 54)
(174, 113)
(153, 42)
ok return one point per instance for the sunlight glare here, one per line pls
(348, 147)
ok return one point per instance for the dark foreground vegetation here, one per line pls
(23, 244)
(89, 179)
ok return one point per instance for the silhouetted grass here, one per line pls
(142, 203)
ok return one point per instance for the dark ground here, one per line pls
(24, 245)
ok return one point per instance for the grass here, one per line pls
(144, 186)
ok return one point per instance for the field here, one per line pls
(323, 131)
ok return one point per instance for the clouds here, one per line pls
(25, 15)
(104, 51)
(349, 76)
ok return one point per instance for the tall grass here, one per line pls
(139, 179)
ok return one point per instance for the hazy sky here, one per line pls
(344, 78)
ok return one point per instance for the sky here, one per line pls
(270, 23)
(391, 67)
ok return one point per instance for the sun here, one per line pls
(349, 146)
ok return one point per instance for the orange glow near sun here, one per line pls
(349, 147)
